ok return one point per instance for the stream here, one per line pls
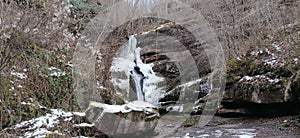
(245, 127)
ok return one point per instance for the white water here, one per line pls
(145, 85)
(138, 84)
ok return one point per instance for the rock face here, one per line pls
(132, 118)
(270, 74)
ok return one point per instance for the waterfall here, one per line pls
(136, 73)
(145, 81)
(138, 77)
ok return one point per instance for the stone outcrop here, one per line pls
(130, 119)
(269, 74)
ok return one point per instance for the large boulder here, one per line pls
(131, 119)
(269, 74)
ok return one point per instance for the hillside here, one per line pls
(40, 67)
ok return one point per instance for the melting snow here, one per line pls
(189, 84)
(296, 60)
(239, 133)
(26, 30)
(125, 108)
(37, 127)
(12, 88)
(56, 72)
(271, 61)
(157, 28)
(69, 64)
(258, 78)
(256, 53)
(40, 132)
(187, 135)
(35, 105)
(19, 75)
(277, 47)
(83, 125)
(242, 133)
(175, 108)
(100, 86)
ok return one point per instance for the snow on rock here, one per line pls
(189, 84)
(272, 61)
(175, 108)
(271, 55)
(19, 75)
(125, 108)
(259, 78)
(166, 25)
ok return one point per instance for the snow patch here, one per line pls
(40, 132)
(26, 30)
(48, 121)
(19, 75)
(258, 78)
(12, 89)
(240, 133)
(296, 60)
(83, 125)
(126, 108)
(175, 108)
(69, 64)
(256, 53)
(100, 86)
(277, 47)
(56, 72)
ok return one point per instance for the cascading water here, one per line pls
(145, 81)
(138, 77)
